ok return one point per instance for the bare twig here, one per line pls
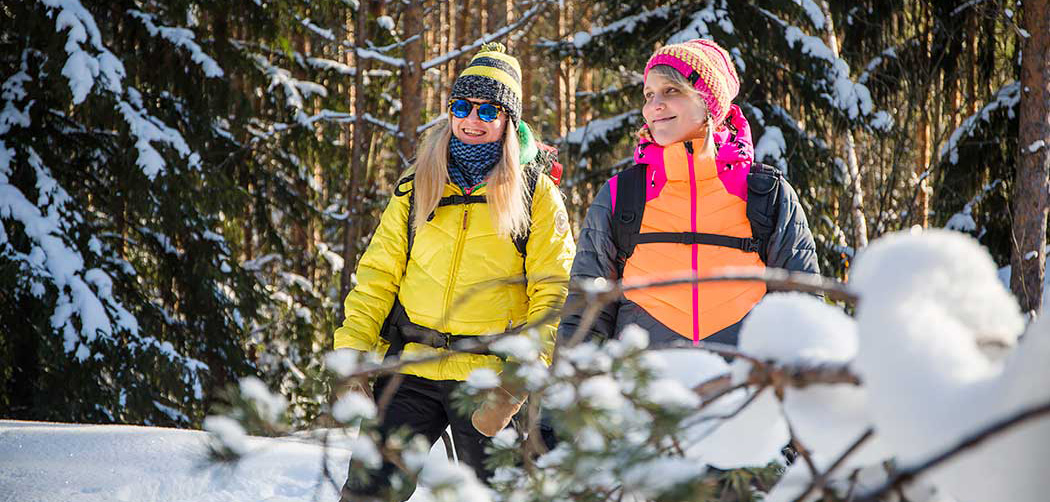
(326, 476)
(906, 475)
(525, 16)
(388, 394)
(795, 442)
(786, 375)
(774, 277)
(820, 482)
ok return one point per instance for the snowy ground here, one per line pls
(50, 462)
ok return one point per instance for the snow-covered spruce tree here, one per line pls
(159, 204)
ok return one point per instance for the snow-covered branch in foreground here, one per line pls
(934, 342)
(920, 369)
(180, 37)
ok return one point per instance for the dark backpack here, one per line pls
(762, 186)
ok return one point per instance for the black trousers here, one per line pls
(424, 408)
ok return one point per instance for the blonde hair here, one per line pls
(506, 196)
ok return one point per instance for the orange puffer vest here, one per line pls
(686, 193)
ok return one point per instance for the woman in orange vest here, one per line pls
(684, 209)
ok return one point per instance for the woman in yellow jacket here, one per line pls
(472, 197)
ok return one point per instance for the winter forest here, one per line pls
(186, 189)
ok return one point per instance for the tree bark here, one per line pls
(462, 35)
(498, 17)
(1028, 257)
(359, 147)
(566, 102)
(411, 81)
(860, 222)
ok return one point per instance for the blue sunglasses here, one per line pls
(487, 112)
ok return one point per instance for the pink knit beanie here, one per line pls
(709, 68)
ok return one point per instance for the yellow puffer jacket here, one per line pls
(456, 279)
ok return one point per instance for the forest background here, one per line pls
(186, 186)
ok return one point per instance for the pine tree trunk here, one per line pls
(445, 43)
(411, 80)
(566, 100)
(860, 223)
(498, 17)
(359, 147)
(923, 198)
(463, 36)
(1028, 259)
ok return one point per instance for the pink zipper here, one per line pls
(695, 250)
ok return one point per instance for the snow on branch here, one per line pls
(328, 64)
(295, 90)
(387, 126)
(147, 130)
(963, 220)
(395, 45)
(598, 130)
(323, 32)
(698, 26)
(86, 309)
(816, 15)
(974, 440)
(383, 58)
(1007, 97)
(81, 68)
(889, 52)
(432, 123)
(625, 25)
(180, 37)
(449, 56)
(839, 90)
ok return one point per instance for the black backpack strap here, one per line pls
(398, 192)
(532, 178)
(763, 190)
(457, 200)
(390, 330)
(742, 243)
(627, 215)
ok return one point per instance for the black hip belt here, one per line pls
(399, 330)
(414, 333)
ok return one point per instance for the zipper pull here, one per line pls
(689, 147)
(465, 210)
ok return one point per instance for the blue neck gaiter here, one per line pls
(470, 164)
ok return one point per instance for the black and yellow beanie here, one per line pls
(494, 75)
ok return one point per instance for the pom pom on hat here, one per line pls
(494, 75)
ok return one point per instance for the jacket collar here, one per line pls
(673, 160)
